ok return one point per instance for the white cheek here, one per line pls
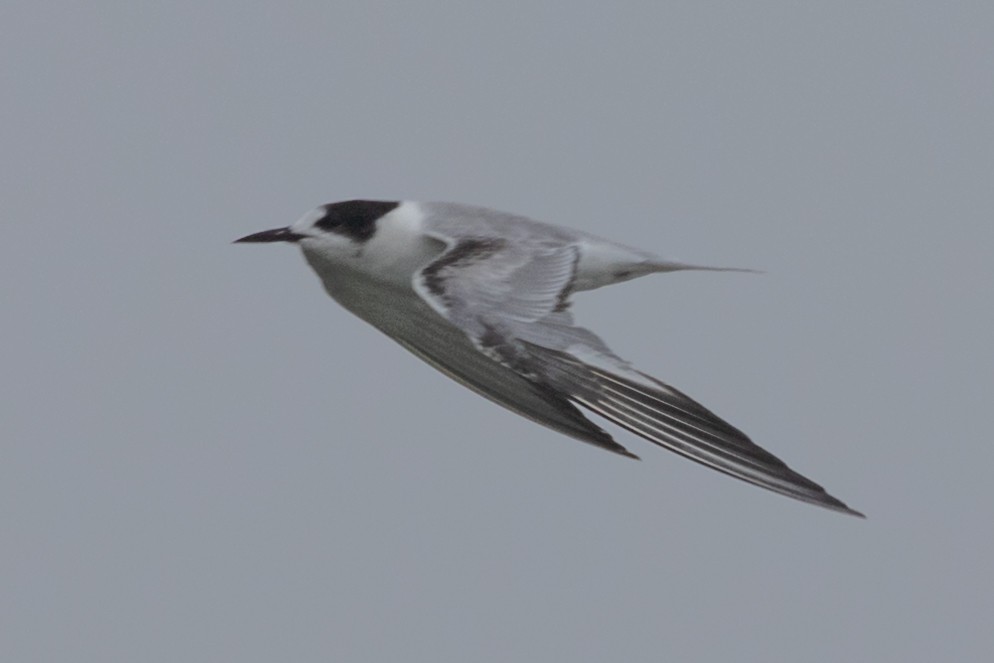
(327, 249)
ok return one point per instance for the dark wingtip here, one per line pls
(621, 451)
(851, 512)
(835, 504)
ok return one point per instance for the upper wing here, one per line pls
(510, 301)
(493, 278)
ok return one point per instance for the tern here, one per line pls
(484, 297)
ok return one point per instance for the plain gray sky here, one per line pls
(205, 459)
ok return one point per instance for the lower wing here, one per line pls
(435, 340)
(659, 413)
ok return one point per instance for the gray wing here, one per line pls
(510, 301)
(478, 279)
(602, 382)
(430, 339)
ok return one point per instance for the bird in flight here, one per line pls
(484, 297)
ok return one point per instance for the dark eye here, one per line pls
(354, 218)
(331, 219)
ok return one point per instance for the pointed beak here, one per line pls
(275, 235)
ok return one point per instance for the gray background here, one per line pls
(205, 459)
